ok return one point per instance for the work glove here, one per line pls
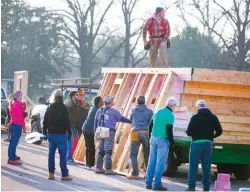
(147, 46)
(168, 43)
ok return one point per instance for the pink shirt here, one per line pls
(16, 113)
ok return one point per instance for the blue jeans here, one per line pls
(15, 135)
(203, 152)
(159, 148)
(105, 149)
(58, 141)
(70, 144)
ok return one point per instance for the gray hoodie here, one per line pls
(141, 117)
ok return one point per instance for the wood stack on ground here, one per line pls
(227, 94)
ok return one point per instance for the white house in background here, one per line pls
(7, 84)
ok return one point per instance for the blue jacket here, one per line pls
(141, 117)
(88, 126)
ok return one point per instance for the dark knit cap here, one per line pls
(158, 10)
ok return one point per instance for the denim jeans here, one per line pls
(200, 152)
(58, 141)
(70, 144)
(134, 150)
(105, 149)
(15, 135)
(159, 148)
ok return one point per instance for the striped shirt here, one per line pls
(157, 30)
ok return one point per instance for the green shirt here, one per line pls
(161, 119)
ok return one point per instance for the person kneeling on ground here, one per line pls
(107, 117)
(203, 128)
(140, 117)
(56, 123)
(88, 132)
(160, 142)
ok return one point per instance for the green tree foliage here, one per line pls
(31, 41)
(193, 49)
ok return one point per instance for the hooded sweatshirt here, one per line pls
(141, 117)
(16, 113)
(204, 126)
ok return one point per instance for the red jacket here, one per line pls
(16, 113)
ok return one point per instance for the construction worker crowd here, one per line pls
(63, 122)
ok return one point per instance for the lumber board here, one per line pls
(212, 98)
(106, 78)
(214, 72)
(186, 115)
(234, 119)
(213, 92)
(217, 86)
(222, 79)
(214, 105)
(138, 82)
(122, 163)
(124, 91)
(236, 127)
(166, 90)
(118, 81)
(226, 110)
(233, 139)
(236, 133)
(124, 137)
(107, 88)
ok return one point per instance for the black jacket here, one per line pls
(56, 119)
(204, 125)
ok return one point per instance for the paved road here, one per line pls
(32, 175)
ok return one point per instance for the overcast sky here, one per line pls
(144, 9)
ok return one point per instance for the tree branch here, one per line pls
(104, 44)
(72, 41)
(227, 12)
(102, 18)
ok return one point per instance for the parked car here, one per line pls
(4, 105)
(89, 94)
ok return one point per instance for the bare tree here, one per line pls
(236, 18)
(82, 28)
(130, 54)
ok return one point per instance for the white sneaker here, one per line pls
(90, 168)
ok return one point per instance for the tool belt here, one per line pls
(134, 135)
(162, 36)
(102, 133)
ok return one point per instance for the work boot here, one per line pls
(161, 188)
(133, 177)
(67, 178)
(148, 186)
(51, 176)
(188, 189)
(109, 172)
(15, 162)
(99, 171)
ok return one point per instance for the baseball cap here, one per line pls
(108, 99)
(16, 94)
(58, 93)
